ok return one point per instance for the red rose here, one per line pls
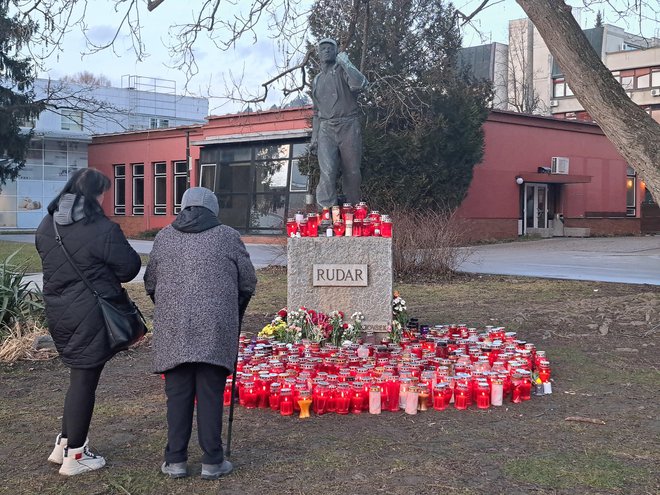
(345, 326)
(341, 314)
(282, 313)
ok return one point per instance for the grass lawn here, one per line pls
(602, 340)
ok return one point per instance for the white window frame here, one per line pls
(138, 208)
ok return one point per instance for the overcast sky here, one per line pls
(254, 61)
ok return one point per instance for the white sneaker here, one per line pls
(80, 460)
(57, 454)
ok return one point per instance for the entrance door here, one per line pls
(536, 207)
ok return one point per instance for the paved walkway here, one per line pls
(633, 260)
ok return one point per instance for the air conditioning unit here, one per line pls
(655, 92)
(554, 103)
(559, 165)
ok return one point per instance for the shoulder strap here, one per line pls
(58, 238)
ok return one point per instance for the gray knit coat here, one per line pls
(195, 279)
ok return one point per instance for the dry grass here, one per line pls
(19, 344)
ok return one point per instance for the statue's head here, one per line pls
(327, 49)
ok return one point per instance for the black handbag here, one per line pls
(124, 322)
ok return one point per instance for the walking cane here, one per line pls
(242, 306)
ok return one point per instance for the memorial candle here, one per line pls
(343, 398)
(516, 381)
(357, 398)
(440, 398)
(483, 396)
(226, 396)
(525, 385)
(320, 398)
(375, 404)
(251, 396)
(274, 396)
(304, 402)
(461, 396)
(423, 399)
(496, 391)
(393, 394)
(286, 402)
(412, 400)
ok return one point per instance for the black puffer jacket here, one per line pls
(106, 258)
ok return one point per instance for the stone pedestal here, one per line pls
(346, 274)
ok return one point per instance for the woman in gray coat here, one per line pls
(198, 275)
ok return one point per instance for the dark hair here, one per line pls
(88, 184)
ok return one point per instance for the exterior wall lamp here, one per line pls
(519, 180)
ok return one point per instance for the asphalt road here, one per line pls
(633, 260)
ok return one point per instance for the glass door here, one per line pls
(536, 207)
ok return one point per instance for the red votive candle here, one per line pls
(483, 396)
(274, 396)
(320, 398)
(343, 398)
(312, 225)
(386, 226)
(291, 227)
(461, 396)
(286, 402)
(339, 228)
(226, 396)
(357, 398)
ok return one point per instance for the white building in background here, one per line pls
(61, 135)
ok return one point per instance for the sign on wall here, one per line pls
(339, 275)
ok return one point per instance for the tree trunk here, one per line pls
(629, 128)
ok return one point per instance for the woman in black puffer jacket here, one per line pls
(103, 254)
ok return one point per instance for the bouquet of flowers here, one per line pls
(400, 317)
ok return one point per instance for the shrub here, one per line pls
(427, 243)
(21, 301)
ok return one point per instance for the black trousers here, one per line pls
(79, 404)
(182, 385)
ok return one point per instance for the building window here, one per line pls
(559, 88)
(631, 196)
(120, 189)
(207, 176)
(160, 188)
(655, 77)
(72, 120)
(180, 183)
(138, 189)
(156, 123)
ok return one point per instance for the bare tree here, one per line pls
(87, 78)
(629, 128)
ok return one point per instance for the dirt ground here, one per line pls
(602, 340)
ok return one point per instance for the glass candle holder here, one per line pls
(366, 228)
(423, 398)
(412, 400)
(339, 228)
(274, 396)
(325, 214)
(286, 402)
(349, 228)
(299, 216)
(312, 225)
(320, 398)
(375, 404)
(374, 216)
(440, 398)
(304, 402)
(361, 211)
(291, 227)
(251, 395)
(343, 398)
(386, 226)
(357, 397)
(303, 227)
(483, 396)
(336, 214)
(347, 209)
(226, 396)
(496, 391)
(392, 385)
(525, 385)
(357, 228)
(461, 396)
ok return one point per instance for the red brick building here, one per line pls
(251, 162)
